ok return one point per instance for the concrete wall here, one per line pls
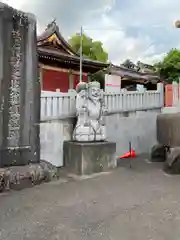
(52, 135)
(137, 127)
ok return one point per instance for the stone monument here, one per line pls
(19, 88)
(90, 152)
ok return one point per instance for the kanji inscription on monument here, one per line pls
(19, 88)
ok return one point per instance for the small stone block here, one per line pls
(83, 158)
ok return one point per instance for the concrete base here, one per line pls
(158, 153)
(86, 158)
(19, 177)
(172, 163)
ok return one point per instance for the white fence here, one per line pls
(57, 126)
(56, 105)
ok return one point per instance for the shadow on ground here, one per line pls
(141, 163)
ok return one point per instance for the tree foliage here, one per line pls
(90, 49)
(99, 76)
(169, 67)
(128, 64)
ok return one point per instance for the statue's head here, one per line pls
(94, 90)
(81, 86)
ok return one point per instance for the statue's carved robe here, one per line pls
(89, 126)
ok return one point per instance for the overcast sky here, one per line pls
(135, 29)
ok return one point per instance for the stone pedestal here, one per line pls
(87, 158)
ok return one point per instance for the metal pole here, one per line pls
(81, 53)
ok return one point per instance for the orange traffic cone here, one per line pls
(133, 153)
(126, 155)
(129, 154)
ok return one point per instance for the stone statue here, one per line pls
(90, 126)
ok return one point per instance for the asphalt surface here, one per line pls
(138, 203)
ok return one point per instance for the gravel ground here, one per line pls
(129, 203)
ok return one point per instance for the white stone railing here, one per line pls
(133, 101)
(56, 105)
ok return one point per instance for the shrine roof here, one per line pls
(52, 37)
(52, 54)
(51, 44)
(136, 74)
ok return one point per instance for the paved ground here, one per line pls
(139, 203)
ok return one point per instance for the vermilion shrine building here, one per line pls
(59, 64)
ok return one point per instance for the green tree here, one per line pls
(128, 64)
(169, 67)
(91, 49)
(99, 76)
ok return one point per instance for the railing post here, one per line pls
(175, 93)
(160, 89)
(72, 99)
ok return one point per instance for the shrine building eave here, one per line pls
(133, 75)
(53, 57)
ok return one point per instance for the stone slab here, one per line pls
(19, 177)
(87, 158)
(19, 88)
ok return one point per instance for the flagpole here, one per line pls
(81, 53)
